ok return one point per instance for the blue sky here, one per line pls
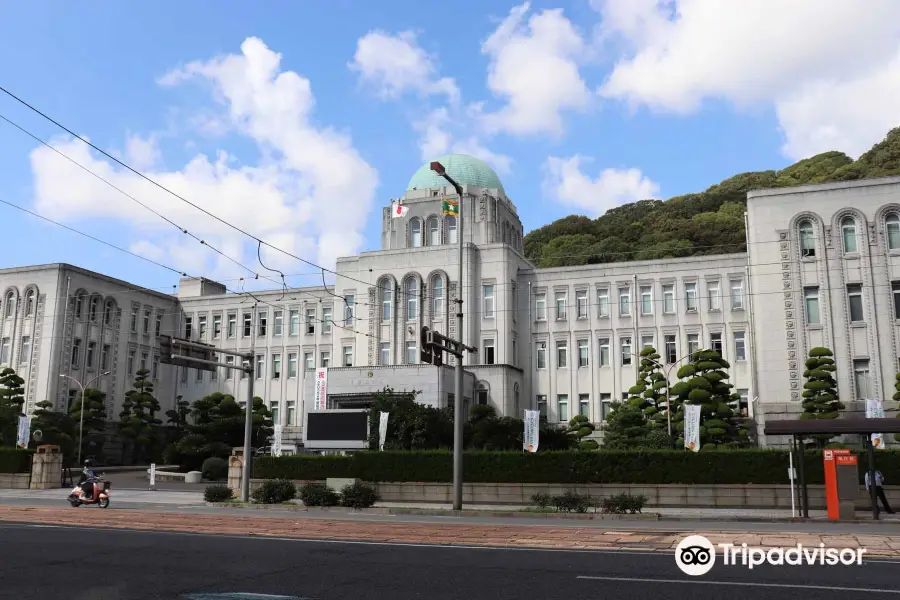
(581, 105)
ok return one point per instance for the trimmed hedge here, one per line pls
(15, 460)
(741, 466)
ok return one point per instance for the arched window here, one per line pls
(451, 230)
(94, 308)
(516, 400)
(437, 296)
(892, 227)
(412, 298)
(415, 228)
(434, 232)
(108, 312)
(79, 304)
(807, 239)
(10, 304)
(29, 303)
(387, 298)
(481, 393)
(848, 232)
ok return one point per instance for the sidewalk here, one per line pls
(127, 496)
(521, 536)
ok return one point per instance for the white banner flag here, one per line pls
(875, 410)
(320, 398)
(382, 429)
(276, 440)
(24, 432)
(531, 437)
(692, 427)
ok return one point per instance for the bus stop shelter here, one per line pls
(801, 429)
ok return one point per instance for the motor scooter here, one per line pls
(100, 495)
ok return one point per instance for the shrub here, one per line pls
(215, 469)
(572, 502)
(217, 493)
(318, 494)
(541, 500)
(15, 460)
(359, 495)
(623, 503)
(275, 491)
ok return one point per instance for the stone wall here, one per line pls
(15, 481)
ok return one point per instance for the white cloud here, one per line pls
(534, 67)
(142, 153)
(824, 55)
(436, 137)
(565, 183)
(148, 249)
(396, 64)
(313, 198)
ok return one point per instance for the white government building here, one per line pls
(822, 268)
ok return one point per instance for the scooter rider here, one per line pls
(87, 480)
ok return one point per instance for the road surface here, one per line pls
(50, 563)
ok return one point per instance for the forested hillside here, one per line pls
(710, 222)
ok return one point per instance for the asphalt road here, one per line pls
(46, 563)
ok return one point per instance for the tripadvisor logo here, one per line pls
(695, 555)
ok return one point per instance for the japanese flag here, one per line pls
(398, 210)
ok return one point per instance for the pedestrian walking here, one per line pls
(879, 482)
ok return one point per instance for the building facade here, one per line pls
(822, 268)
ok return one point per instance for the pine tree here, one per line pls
(12, 398)
(178, 415)
(704, 383)
(820, 397)
(580, 427)
(56, 428)
(138, 417)
(649, 392)
(626, 426)
(92, 430)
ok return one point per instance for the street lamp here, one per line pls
(667, 370)
(81, 420)
(458, 375)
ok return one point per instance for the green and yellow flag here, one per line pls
(450, 207)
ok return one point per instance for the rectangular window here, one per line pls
(582, 353)
(308, 361)
(560, 305)
(291, 412)
(541, 354)
(584, 405)
(737, 294)
(279, 322)
(605, 405)
(276, 366)
(895, 291)
(387, 298)
(542, 407)
(690, 297)
(158, 324)
(325, 359)
(743, 402)
(561, 355)
(862, 379)
(581, 303)
(232, 325)
(248, 325)
(144, 358)
(562, 408)
(514, 301)
(273, 410)
(811, 305)
(715, 341)
(327, 320)
(411, 353)
(668, 299)
(76, 352)
(855, 302)
(88, 359)
(199, 374)
(740, 346)
(4, 351)
(294, 325)
(229, 373)
(603, 343)
(489, 357)
(671, 349)
(624, 302)
(488, 294)
(540, 307)
(693, 342)
(263, 320)
(715, 296)
(188, 326)
(260, 366)
(104, 357)
(146, 322)
(626, 351)
(134, 314)
(646, 300)
(515, 355)
(292, 365)
(129, 366)
(201, 328)
(217, 327)
(385, 353)
(349, 308)
(348, 356)
(603, 303)
(310, 321)
(155, 372)
(25, 356)
(646, 341)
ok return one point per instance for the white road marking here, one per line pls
(829, 588)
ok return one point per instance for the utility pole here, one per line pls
(248, 415)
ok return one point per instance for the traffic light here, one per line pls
(165, 349)
(425, 354)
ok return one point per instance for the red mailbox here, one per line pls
(841, 483)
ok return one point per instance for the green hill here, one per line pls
(710, 222)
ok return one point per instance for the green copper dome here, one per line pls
(466, 170)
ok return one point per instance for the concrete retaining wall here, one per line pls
(15, 481)
(672, 496)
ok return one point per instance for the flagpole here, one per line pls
(391, 238)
